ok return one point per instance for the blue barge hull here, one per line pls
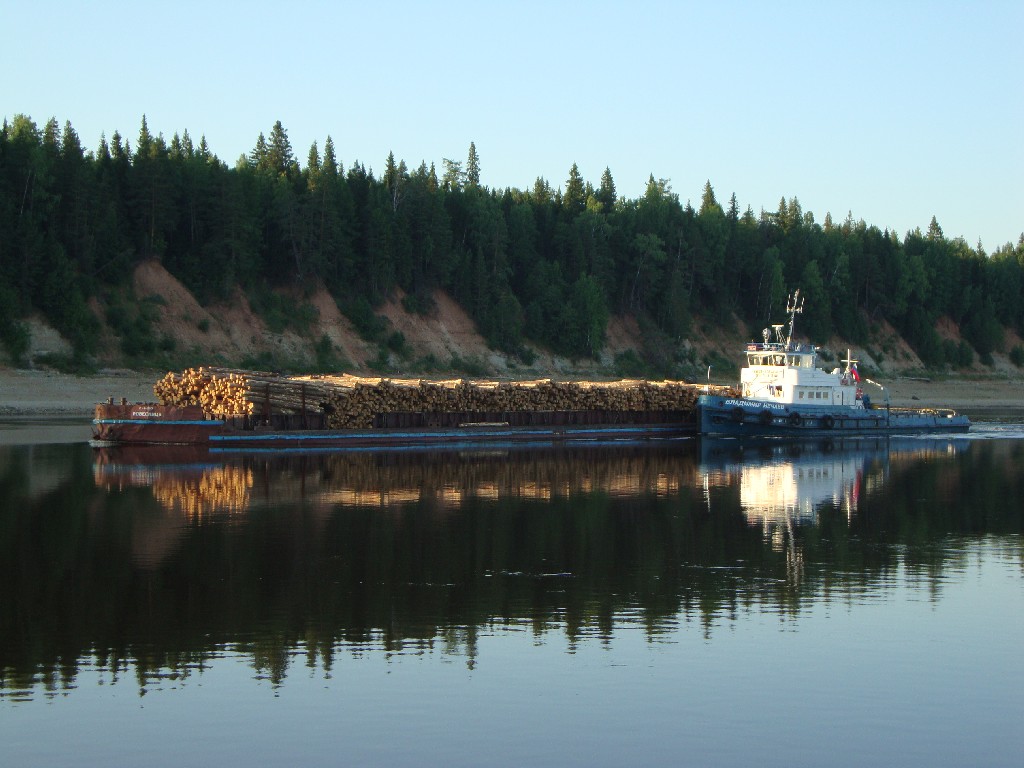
(742, 417)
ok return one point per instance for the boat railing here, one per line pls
(775, 346)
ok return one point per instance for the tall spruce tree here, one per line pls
(152, 194)
(574, 200)
(279, 158)
(708, 203)
(472, 167)
(606, 191)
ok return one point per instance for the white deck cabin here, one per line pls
(784, 372)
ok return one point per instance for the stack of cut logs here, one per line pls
(230, 392)
(356, 404)
(353, 401)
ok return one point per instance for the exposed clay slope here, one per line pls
(231, 333)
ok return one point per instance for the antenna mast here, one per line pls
(794, 306)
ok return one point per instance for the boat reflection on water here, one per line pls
(784, 484)
(644, 496)
(780, 482)
(789, 480)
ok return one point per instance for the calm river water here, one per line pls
(683, 603)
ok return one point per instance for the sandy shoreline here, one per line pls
(961, 394)
(48, 394)
(40, 407)
(45, 393)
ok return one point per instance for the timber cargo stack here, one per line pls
(244, 405)
(357, 402)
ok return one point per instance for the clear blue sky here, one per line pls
(894, 111)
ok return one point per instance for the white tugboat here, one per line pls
(784, 392)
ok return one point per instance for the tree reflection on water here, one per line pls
(157, 561)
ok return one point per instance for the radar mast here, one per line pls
(794, 306)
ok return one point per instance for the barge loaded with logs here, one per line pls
(782, 393)
(229, 409)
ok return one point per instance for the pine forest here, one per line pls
(545, 266)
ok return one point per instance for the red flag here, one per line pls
(856, 376)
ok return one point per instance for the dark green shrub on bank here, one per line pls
(282, 312)
(629, 365)
(134, 324)
(368, 324)
(14, 334)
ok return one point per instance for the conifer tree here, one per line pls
(51, 136)
(606, 191)
(472, 167)
(76, 194)
(279, 157)
(151, 194)
(574, 200)
(708, 203)
(542, 191)
(258, 156)
(733, 214)
(145, 143)
(817, 316)
(330, 162)
(119, 151)
(313, 161)
(782, 215)
(390, 177)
